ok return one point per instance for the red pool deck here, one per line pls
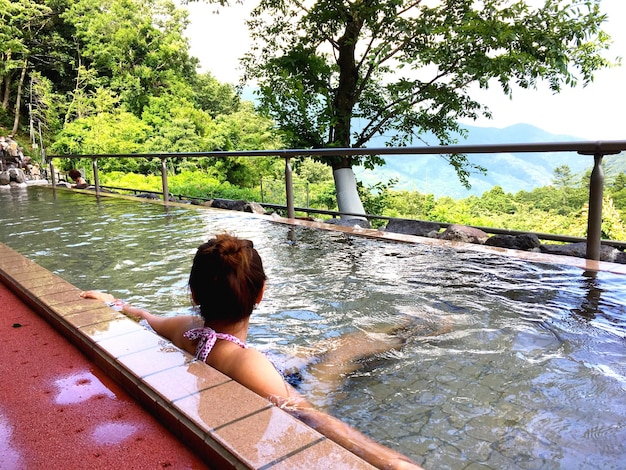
(58, 410)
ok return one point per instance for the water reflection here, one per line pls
(590, 306)
(531, 373)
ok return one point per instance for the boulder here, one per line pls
(148, 196)
(515, 242)
(463, 233)
(254, 207)
(412, 227)
(233, 205)
(17, 175)
(607, 253)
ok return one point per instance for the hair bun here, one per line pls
(226, 277)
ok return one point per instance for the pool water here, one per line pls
(506, 363)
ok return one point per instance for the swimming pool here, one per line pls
(531, 373)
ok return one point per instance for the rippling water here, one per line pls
(506, 364)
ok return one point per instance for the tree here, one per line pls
(20, 22)
(136, 47)
(214, 97)
(563, 177)
(618, 191)
(337, 73)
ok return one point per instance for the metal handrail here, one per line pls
(598, 149)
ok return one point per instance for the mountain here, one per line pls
(431, 174)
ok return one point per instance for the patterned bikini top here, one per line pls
(206, 340)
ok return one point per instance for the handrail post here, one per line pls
(52, 178)
(291, 213)
(166, 197)
(96, 180)
(594, 218)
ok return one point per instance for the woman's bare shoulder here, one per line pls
(253, 369)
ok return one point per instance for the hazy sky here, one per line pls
(596, 112)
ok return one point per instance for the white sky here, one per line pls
(596, 112)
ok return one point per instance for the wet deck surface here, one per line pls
(58, 410)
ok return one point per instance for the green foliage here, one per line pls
(312, 171)
(617, 191)
(202, 185)
(193, 184)
(613, 225)
(376, 198)
(140, 182)
(105, 133)
(136, 48)
(214, 97)
(540, 210)
(563, 177)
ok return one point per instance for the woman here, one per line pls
(79, 180)
(226, 281)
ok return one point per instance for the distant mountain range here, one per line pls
(431, 174)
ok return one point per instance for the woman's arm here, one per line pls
(347, 437)
(254, 371)
(171, 328)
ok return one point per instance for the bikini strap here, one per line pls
(206, 340)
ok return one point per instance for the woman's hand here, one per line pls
(94, 294)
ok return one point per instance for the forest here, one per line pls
(116, 76)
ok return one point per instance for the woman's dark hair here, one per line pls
(75, 174)
(226, 278)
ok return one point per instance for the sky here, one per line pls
(595, 112)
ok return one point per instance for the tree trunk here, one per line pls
(7, 85)
(348, 199)
(7, 92)
(18, 98)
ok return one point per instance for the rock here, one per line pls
(254, 207)
(4, 177)
(233, 205)
(607, 253)
(620, 257)
(463, 233)
(514, 242)
(148, 196)
(412, 227)
(17, 175)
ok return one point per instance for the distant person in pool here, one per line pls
(80, 182)
(226, 281)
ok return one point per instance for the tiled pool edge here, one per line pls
(225, 423)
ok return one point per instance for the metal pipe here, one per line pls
(594, 218)
(166, 197)
(291, 213)
(96, 180)
(585, 148)
(52, 179)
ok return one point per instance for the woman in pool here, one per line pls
(80, 182)
(226, 281)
